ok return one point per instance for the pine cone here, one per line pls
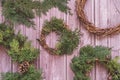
(108, 57)
(23, 67)
(87, 74)
(97, 60)
(88, 61)
(110, 78)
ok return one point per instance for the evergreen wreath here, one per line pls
(68, 40)
(89, 56)
(80, 4)
(22, 11)
(19, 48)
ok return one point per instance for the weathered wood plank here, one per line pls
(59, 62)
(89, 39)
(114, 19)
(73, 24)
(5, 60)
(101, 21)
(45, 61)
(53, 66)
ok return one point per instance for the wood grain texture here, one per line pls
(101, 21)
(103, 13)
(88, 38)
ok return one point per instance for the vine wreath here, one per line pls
(89, 56)
(68, 41)
(80, 4)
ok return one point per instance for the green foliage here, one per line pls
(1, 36)
(32, 74)
(89, 55)
(68, 41)
(45, 5)
(54, 24)
(6, 35)
(25, 53)
(14, 45)
(114, 68)
(21, 11)
(20, 50)
(18, 47)
(10, 76)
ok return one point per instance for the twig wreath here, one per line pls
(80, 4)
(89, 56)
(68, 41)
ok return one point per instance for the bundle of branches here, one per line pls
(23, 11)
(19, 48)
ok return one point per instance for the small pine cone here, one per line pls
(110, 78)
(23, 67)
(88, 62)
(96, 59)
(108, 57)
(87, 74)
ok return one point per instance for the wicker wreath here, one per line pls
(68, 40)
(80, 4)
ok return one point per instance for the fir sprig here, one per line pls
(19, 11)
(31, 74)
(24, 53)
(23, 11)
(67, 42)
(19, 48)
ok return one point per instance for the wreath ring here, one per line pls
(80, 4)
(89, 56)
(68, 41)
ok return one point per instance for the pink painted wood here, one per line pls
(103, 13)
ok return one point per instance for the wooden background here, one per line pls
(103, 13)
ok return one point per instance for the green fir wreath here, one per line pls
(83, 64)
(68, 40)
(19, 48)
(23, 11)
